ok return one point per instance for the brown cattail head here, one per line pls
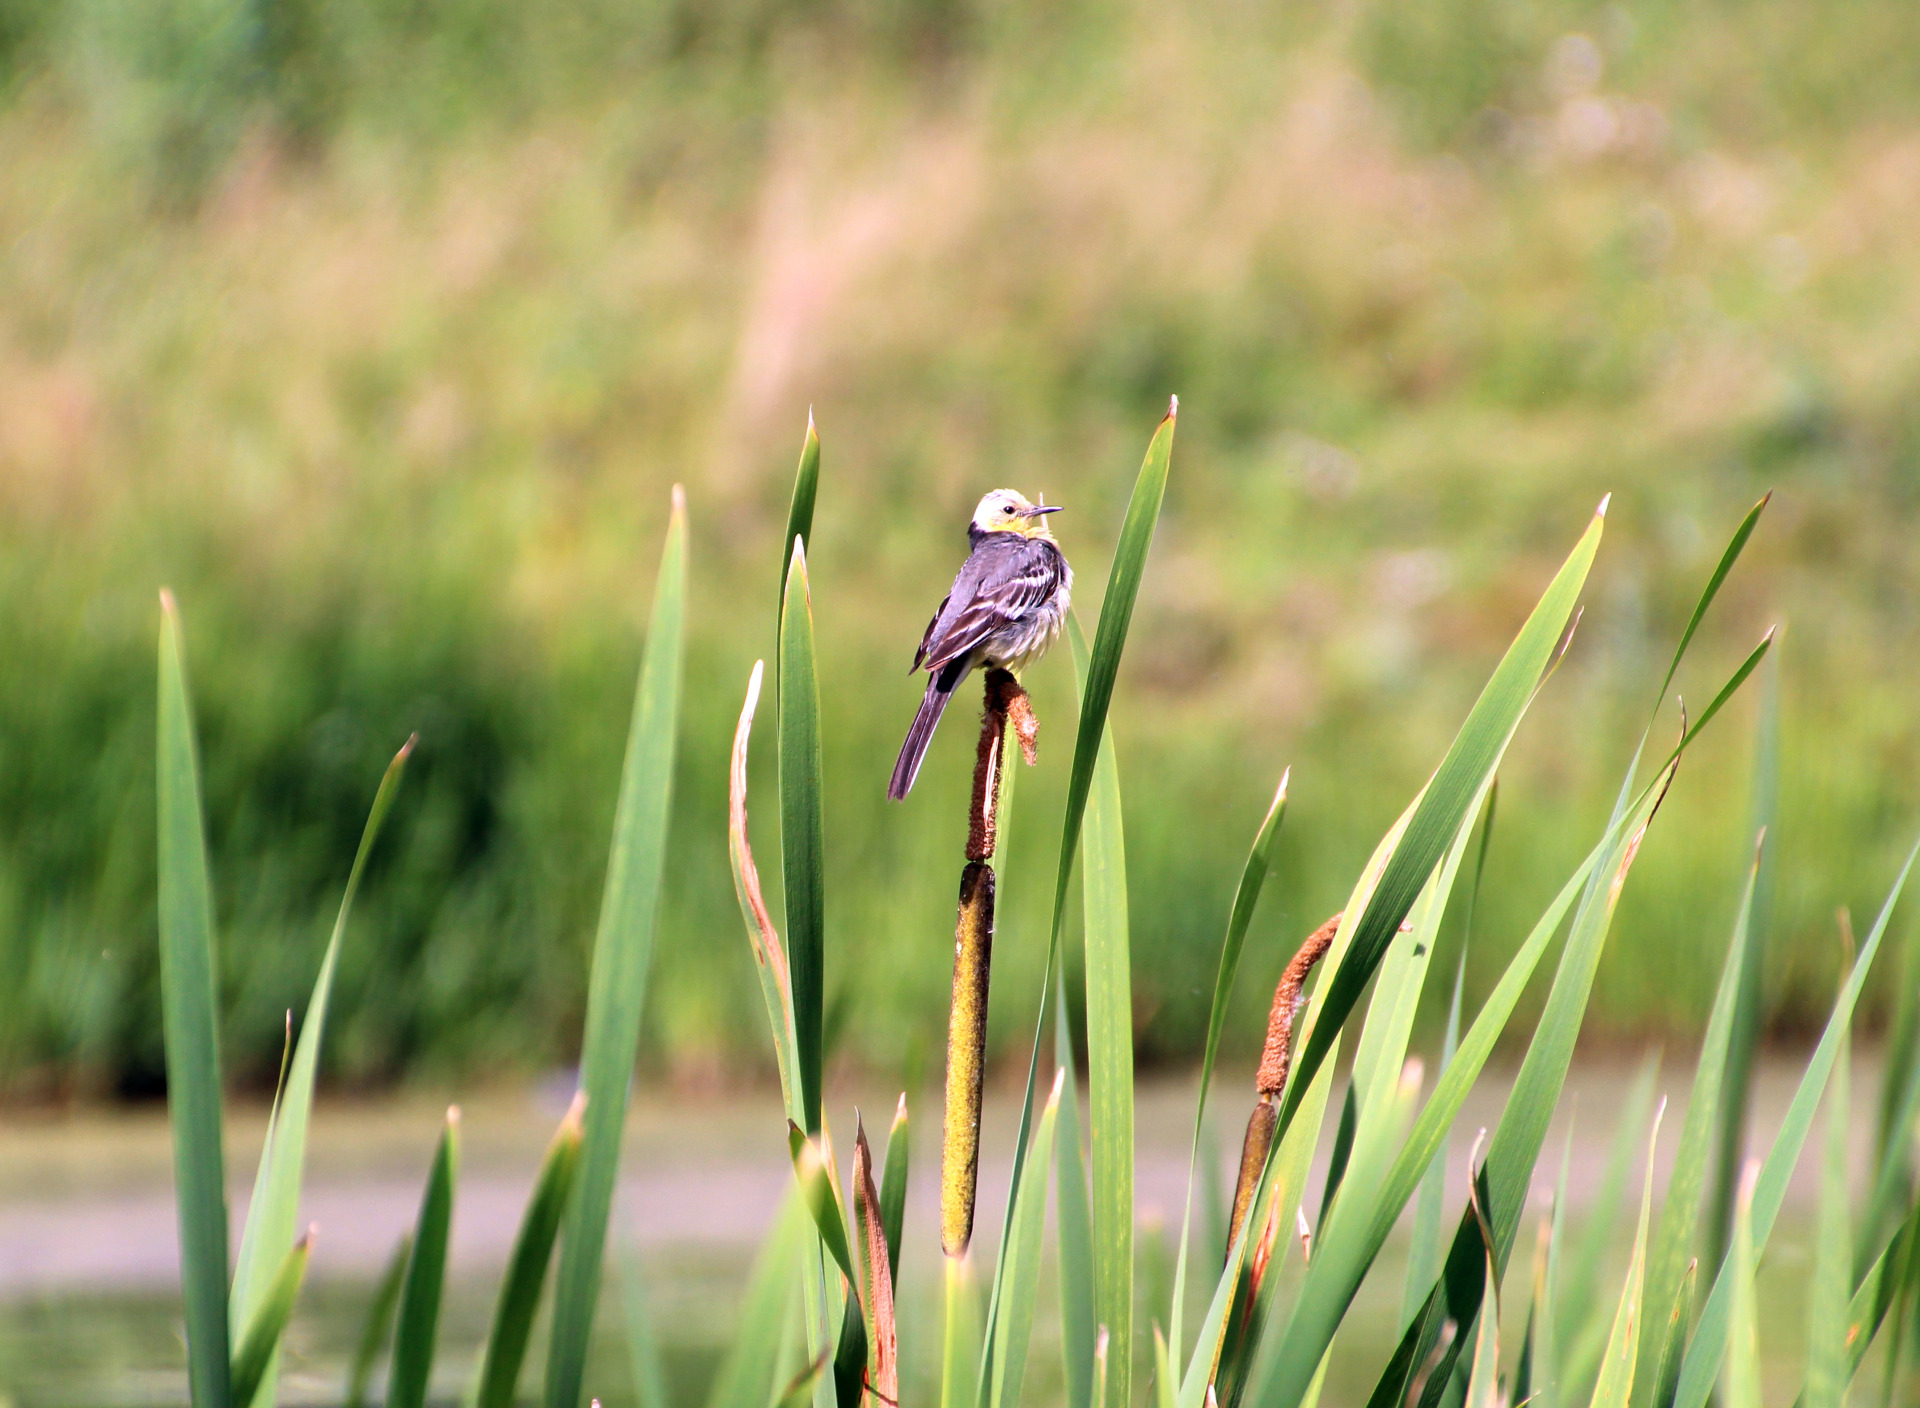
(1271, 1080)
(966, 1052)
(1277, 1057)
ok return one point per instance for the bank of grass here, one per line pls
(388, 378)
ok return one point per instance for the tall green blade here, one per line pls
(506, 1342)
(1743, 1338)
(1423, 1250)
(415, 1332)
(813, 1176)
(893, 1187)
(1621, 1359)
(1827, 1371)
(189, 998)
(1892, 1187)
(1077, 1324)
(260, 1344)
(1253, 877)
(1709, 1343)
(1020, 1289)
(751, 1371)
(802, 847)
(1359, 1227)
(1103, 869)
(806, 488)
(1673, 1245)
(378, 1324)
(1483, 1381)
(962, 1341)
(1462, 777)
(1116, 614)
(1110, 640)
(1522, 1129)
(1588, 1324)
(643, 1346)
(274, 1212)
(622, 952)
(1730, 1152)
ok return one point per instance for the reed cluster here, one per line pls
(822, 1323)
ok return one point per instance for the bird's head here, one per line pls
(1009, 511)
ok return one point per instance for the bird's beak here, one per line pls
(1039, 509)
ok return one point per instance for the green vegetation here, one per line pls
(379, 331)
(1269, 1328)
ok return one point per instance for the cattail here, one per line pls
(1006, 708)
(1276, 1059)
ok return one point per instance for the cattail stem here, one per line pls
(1270, 1082)
(1005, 708)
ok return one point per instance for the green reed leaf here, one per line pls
(802, 843)
(1483, 1381)
(417, 1328)
(622, 954)
(1748, 1013)
(1103, 870)
(190, 1011)
(806, 488)
(1359, 1227)
(749, 1374)
(378, 1324)
(1621, 1359)
(1463, 775)
(1899, 1110)
(260, 1344)
(963, 1338)
(1420, 1351)
(1020, 1290)
(1673, 1259)
(274, 1211)
(1674, 1342)
(1702, 1362)
(893, 1187)
(506, 1342)
(1110, 640)
(1110, 636)
(1423, 1250)
(1246, 898)
(814, 1176)
(1165, 1393)
(1077, 1333)
(1742, 1339)
(1827, 1294)
(1586, 1323)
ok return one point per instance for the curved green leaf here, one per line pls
(622, 953)
(506, 1342)
(189, 999)
(274, 1211)
(417, 1329)
(260, 1345)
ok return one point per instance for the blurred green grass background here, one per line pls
(378, 331)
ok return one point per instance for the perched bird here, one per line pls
(1005, 609)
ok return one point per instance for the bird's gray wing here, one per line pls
(1005, 577)
(921, 653)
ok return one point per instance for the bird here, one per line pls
(1005, 609)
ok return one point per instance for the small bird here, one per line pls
(1005, 609)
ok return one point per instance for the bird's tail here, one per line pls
(939, 690)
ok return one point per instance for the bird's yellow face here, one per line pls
(1009, 511)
